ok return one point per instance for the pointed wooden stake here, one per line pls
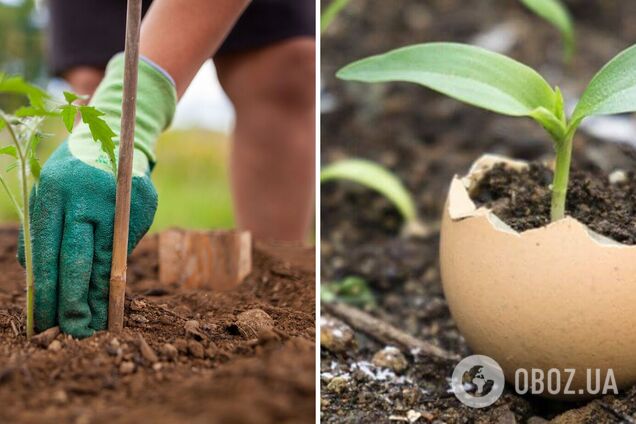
(124, 174)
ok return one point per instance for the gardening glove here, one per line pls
(73, 205)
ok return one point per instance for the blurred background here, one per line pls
(191, 157)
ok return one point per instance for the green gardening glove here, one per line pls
(73, 205)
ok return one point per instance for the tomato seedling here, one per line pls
(500, 84)
(24, 129)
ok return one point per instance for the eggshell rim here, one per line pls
(460, 206)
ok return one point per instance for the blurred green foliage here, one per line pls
(192, 180)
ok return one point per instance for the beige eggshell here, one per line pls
(559, 296)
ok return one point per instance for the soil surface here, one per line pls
(241, 356)
(426, 138)
(521, 198)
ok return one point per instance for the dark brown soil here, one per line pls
(211, 373)
(426, 138)
(521, 198)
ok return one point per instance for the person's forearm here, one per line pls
(179, 36)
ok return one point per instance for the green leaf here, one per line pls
(16, 85)
(70, 97)
(31, 111)
(352, 290)
(557, 14)
(100, 131)
(330, 13)
(2, 125)
(34, 165)
(612, 90)
(467, 73)
(68, 113)
(9, 150)
(12, 166)
(375, 177)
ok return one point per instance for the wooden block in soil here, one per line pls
(214, 260)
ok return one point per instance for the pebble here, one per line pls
(55, 346)
(46, 337)
(169, 351)
(335, 335)
(390, 357)
(181, 345)
(337, 384)
(137, 305)
(139, 318)
(618, 176)
(157, 367)
(60, 396)
(127, 367)
(192, 329)
(196, 349)
(252, 322)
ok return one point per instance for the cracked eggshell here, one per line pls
(560, 296)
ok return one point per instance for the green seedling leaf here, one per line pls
(612, 90)
(375, 177)
(9, 150)
(467, 73)
(352, 290)
(100, 131)
(34, 165)
(71, 97)
(32, 111)
(17, 85)
(68, 113)
(330, 13)
(557, 14)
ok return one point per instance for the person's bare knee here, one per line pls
(281, 76)
(84, 79)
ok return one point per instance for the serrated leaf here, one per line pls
(17, 85)
(9, 150)
(70, 97)
(612, 90)
(100, 131)
(376, 177)
(557, 14)
(68, 114)
(467, 73)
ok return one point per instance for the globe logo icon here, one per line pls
(478, 381)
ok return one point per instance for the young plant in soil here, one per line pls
(500, 84)
(24, 127)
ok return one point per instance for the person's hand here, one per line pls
(72, 208)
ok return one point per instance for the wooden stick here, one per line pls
(124, 173)
(385, 332)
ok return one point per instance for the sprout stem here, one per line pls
(561, 177)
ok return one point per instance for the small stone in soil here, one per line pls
(390, 357)
(252, 322)
(181, 345)
(196, 349)
(55, 346)
(169, 351)
(139, 318)
(337, 384)
(127, 367)
(335, 335)
(46, 337)
(60, 396)
(192, 329)
(137, 305)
